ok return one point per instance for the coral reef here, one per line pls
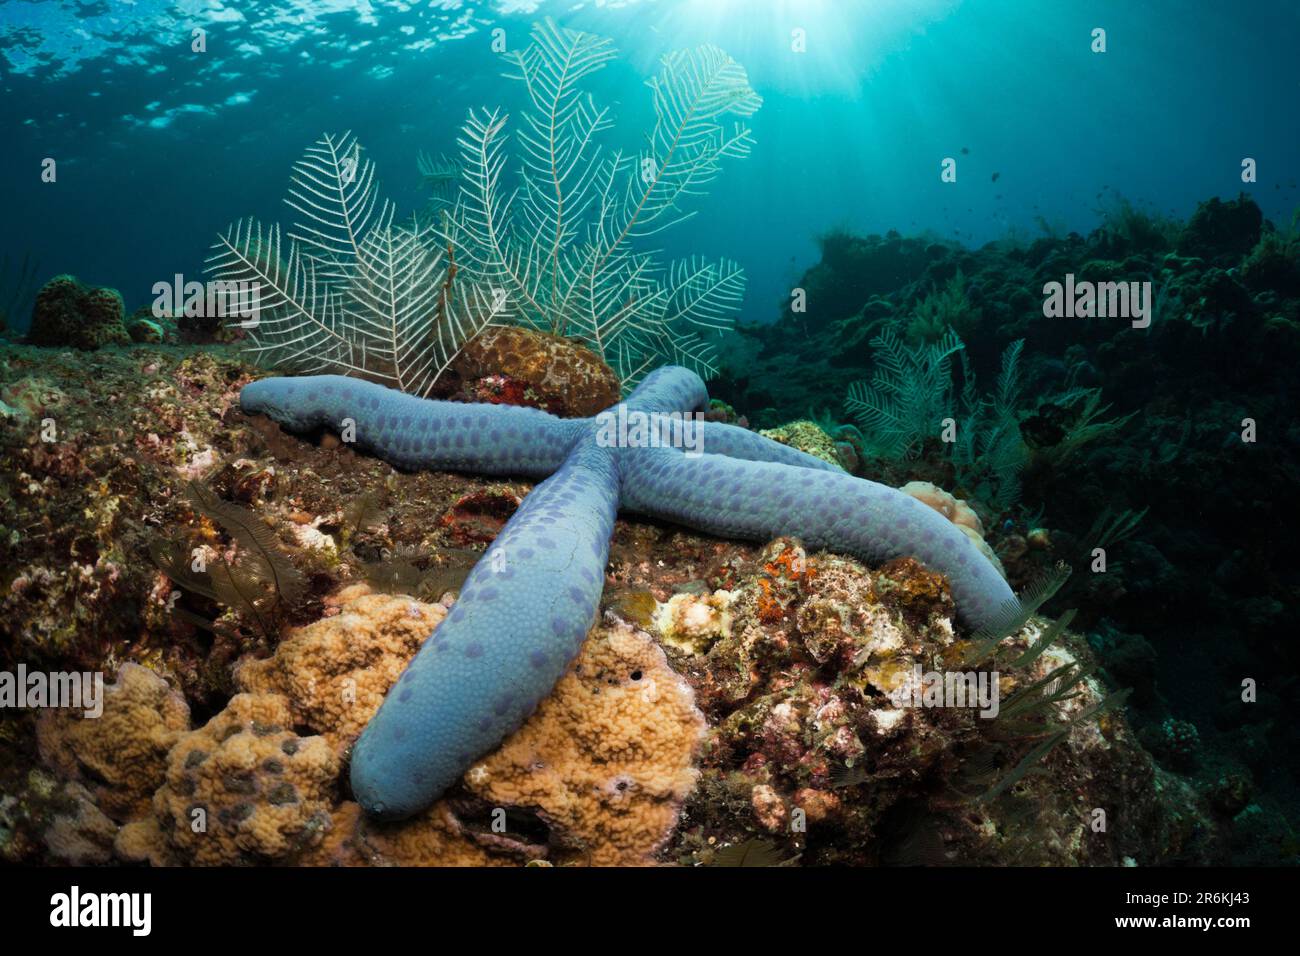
(809, 438)
(1221, 230)
(120, 755)
(95, 462)
(796, 658)
(335, 672)
(526, 604)
(242, 789)
(813, 753)
(1114, 476)
(808, 748)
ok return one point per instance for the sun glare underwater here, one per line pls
(694, 432)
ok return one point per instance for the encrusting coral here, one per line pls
(605, 764)
(336, 671)
(538, 369)
(955, 510)
(242, 789)
(435, 838)
(608, 758)
(692, 622)
(119, 755)
(808, 437)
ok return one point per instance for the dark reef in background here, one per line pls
(1199, 596)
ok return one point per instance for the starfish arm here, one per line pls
(717, 438)
(675, 389)
(521, 618)
(414, 432)
(670, 388)
(761, 500)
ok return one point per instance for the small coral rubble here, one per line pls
(242, 789)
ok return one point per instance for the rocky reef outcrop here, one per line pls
(735, 704)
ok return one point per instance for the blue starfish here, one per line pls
(527, 606)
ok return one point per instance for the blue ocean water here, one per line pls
(158, 147)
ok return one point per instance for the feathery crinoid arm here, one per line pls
(413, 433)
(292, 316)
(521, 618)
(561, 240)
(481, 228)
(440, 175)
(560, 152)
(701, 99)
(349, 291)
(760, 500)
(703, 296)
(333, 191)
(522, 239)
(406, 312)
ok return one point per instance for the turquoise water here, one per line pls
(159, 147)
